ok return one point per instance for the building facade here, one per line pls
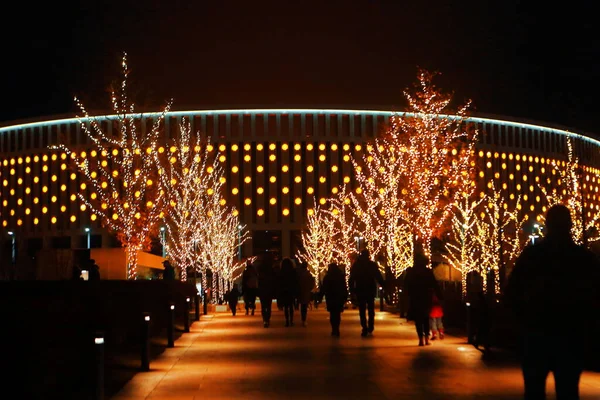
(276, 162)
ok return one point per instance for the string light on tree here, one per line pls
(118, 192)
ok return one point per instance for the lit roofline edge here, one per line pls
(293, 111)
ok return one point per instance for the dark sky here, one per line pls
(512, 58)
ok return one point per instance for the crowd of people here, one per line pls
(293, 288)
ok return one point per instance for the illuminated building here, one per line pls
(275, 162)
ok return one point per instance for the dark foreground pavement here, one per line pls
(226, 357)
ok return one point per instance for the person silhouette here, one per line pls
(288, 289)
(250, 287)
(336, 294)
(554, 279)
(421, 285)
(363, 280)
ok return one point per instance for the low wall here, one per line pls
(49, 326)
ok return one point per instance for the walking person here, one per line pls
(288, 289)
(420, 285)
(435, 318)
(555, 278)
(249, 287)
(363, 283)
(306, 284)
(336, 295)
(232, 296)
(267, 284)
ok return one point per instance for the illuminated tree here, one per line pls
(462, 251)
(436, 153)
(567, 190)
(185, 178)
(379, 205)
(317, 241)
(499, 235)
(120, 172)
(344, 225)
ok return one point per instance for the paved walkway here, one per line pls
(226, 357)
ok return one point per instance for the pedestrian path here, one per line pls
(226, 357)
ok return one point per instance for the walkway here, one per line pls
(225, 357)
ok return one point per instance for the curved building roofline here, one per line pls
(474, 117)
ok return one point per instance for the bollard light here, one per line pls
(99, 358)
(145, 347)
(186, 315)
(171, 326)
(468, 304)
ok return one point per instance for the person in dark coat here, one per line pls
(267, 288)
(336, 294)
(288, 289)
(94, 271)
(232, 298)
(250, 287)
(363, 283)
(306, 284)
(169, 271)
(554, 279)
(420, 285)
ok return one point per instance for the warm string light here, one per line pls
(344, 220)
(185, 180)
(568, 190)
(117, 179)
(318, 246)
(411, 176)
(500, 239)
(462, 252)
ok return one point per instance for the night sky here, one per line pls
(512, 59)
